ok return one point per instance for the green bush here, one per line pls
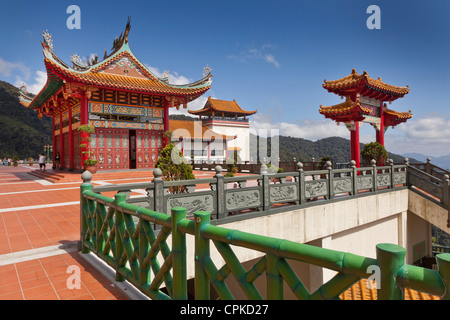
(376, 151)
(174, 167)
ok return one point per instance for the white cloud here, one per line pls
(174, 78)
(252, 52)
(34, 87)
(429, 135)
(306, 129)
(9, 68)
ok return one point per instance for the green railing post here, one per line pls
(119, 224)
(274, 279)
(202, 291)
(443, 264)
(85, 186)
(390, 259)
(179, 255)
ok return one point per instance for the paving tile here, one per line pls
(38, 227)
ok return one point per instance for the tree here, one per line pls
(376, 151)
(174, 167)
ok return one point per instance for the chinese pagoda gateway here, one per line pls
(126, 103)
(365, 101)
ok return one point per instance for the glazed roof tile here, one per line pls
(355, 80)
(361, 291)
(222, 106)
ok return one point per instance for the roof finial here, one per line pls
(207, 71)
(48, 39)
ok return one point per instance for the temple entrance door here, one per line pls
(132, 144)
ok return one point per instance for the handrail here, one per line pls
(230, 198)
(120, 233)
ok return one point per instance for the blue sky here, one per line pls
(268, 55)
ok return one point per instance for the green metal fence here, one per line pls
(156, 263)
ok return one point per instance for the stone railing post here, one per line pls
(330, 175)
(373, 163)
(406, 163)
(220, 193)
(392, 173)
(390, 259)
(428, 166)
(265, 187)
(354, 177)
(158, 191)
(446, 196)
(301, 183)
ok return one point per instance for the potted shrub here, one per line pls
(15, 161)
(30, 161)
(90, 163)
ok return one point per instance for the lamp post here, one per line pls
(48, 148)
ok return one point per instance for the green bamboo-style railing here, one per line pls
(122, 234)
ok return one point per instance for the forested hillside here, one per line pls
(22, 133)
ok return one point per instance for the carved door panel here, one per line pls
(101, 150)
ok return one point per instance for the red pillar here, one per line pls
(355, 149)
(84, 119)
(70, 139)
(380, 133)
(53, 140)
(61, 139)
(166, 124)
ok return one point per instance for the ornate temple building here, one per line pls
(365, 102)
(126, 103)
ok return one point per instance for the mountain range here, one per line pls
(22, 133)
(442, 161)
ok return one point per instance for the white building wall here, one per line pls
(241, 130)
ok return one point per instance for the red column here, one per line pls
(355, 149)
(53, 139)
(84, 119)
(166, 124)
(70, 139)
(380, 133)
(61, 139)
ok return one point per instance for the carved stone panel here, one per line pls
(315, 188)
(364, 182)
(383, 180)
(192, 203)
(242, 199)
(283, 193)
(342, 185)
(399, 178)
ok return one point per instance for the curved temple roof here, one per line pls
(215, 105)
(119, 70)
(346, 111)
(365, 86)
